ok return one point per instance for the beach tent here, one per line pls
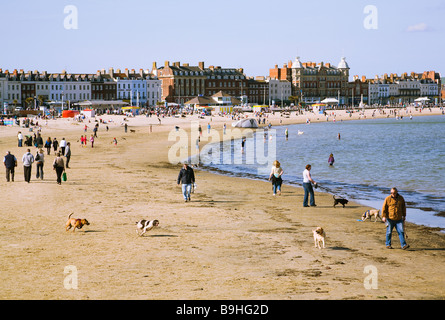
(246, 123)
(69, 113)
(329, 100)
(318, 107)
(88, 113)
(200, 101)
(132, 109)
(422, 99)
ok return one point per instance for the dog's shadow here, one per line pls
(159, 236)
(340, 248)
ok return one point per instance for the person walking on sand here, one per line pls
(186, 177)
(62, 146)
(10, 162)
(307, 186)
(20, 139)
(68, 153)
(59, 167)
(40, 160)
(27, 160)
(275, 175)
(394, 214)
(55, 145)
(48, 144)
(92, 141)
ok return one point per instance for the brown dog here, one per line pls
(75, 223)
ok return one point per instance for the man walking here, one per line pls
(27, 160)
(10, 162)
(20, 139)
(186, 177)
(68, 154)
(394, 213)
(62, 146)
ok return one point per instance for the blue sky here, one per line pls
(254, 35)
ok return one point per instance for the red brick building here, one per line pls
(357, 90)
(258, 91)
(181, 83)
(313, 82)
(103, 87)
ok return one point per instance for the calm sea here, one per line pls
(371, 156)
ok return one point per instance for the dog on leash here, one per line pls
(75, 223)
(143, 226)
(342, 201)
(319, 237)
(371, 213)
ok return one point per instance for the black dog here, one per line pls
(342, 201)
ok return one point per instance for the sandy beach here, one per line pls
(234, 240)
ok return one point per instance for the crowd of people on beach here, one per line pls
(61, 150)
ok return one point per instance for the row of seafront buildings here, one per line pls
(27, 89)
(296, 81)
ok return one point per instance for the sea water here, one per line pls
(371, 156)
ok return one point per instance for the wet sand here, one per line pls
(234, 240)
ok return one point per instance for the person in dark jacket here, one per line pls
(10, 162)
(186, 177)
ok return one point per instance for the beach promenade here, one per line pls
(234, 240)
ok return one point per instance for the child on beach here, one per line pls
(92, 141)
(114, 141)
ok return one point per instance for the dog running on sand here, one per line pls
(371, 213)
(75, 223)
(342, 201)
(319, 237)
(143, 226)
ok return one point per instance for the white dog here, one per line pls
(371, 213)
(145, 225)
(319, 237)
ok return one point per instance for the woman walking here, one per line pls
(307, 186)
(48, 144)
(40, 159)
(59, 166)
(275, 176)
(55, 145)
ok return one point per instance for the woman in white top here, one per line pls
(307, 186)
(275, 175)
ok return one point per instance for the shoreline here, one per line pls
(429, 221)
(232, 241)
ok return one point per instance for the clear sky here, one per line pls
(253, 34)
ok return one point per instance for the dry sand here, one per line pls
(234, 240)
